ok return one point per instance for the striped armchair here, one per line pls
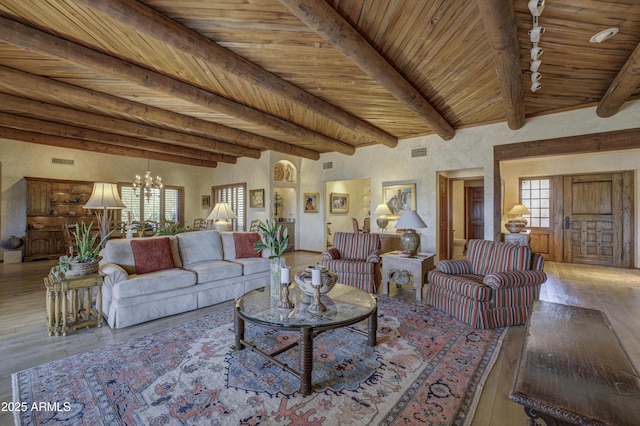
(494, 286)
(354, 257)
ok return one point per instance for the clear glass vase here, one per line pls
(275, 278)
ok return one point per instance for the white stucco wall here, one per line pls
(470, 153)
(20, 159)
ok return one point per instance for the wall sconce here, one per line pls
(535, 86)
(535, 76)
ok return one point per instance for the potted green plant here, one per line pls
(87, 256)
(171, 228)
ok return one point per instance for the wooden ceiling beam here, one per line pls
(12, 80)
(581, 144)
(499, 20)
(148, 21)
(52, 140)
(9, 103)
(622, 87)
(326, 22)
(37, 41)
(72, 132)
(23, 123)
(46, 44)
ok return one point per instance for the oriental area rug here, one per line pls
(427, 368)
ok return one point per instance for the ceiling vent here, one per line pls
(419, 152)
(62, 161)
(327, 165)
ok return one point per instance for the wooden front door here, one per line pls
(593, 231)
(474, 202)
(443, 218)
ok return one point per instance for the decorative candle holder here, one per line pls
(316, 307)
(285, 303)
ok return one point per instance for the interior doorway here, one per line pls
(467, 214)
(444, 218)
(460, 212)
(474, 210)
(355, 195)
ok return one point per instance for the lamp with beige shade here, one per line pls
(104, 200)
(409, 222)
(518, 222)
(382, 221)
(220, 216)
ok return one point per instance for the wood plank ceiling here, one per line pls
(201, 82)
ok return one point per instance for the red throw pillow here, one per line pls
(152, 254)
(244, 242)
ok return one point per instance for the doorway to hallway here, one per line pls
(461, 208)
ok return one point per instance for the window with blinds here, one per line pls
(172, 203)
(234, 195)
(166, 205)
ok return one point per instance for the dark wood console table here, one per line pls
(573, 369)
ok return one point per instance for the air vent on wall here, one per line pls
(62, 161)
(327, 165)
(418, 152)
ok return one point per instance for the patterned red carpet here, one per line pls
(427, 368)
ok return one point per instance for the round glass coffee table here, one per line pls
(346, 305)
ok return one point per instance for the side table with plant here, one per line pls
(86, 259)
(275, 238)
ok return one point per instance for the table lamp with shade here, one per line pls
(409, 222)
(383, 210)
(104, 200)
(220, 215)
(517, 223)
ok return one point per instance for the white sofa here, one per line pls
(200, 269)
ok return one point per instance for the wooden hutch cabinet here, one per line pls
(52, 204)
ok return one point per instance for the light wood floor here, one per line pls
(24, 342)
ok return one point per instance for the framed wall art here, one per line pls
(311, 202)
(339, 203)
(256, 198)
(205, 201)
(399, 198)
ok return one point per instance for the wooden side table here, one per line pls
(401, 269)
(69, 303)
(517, 238)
